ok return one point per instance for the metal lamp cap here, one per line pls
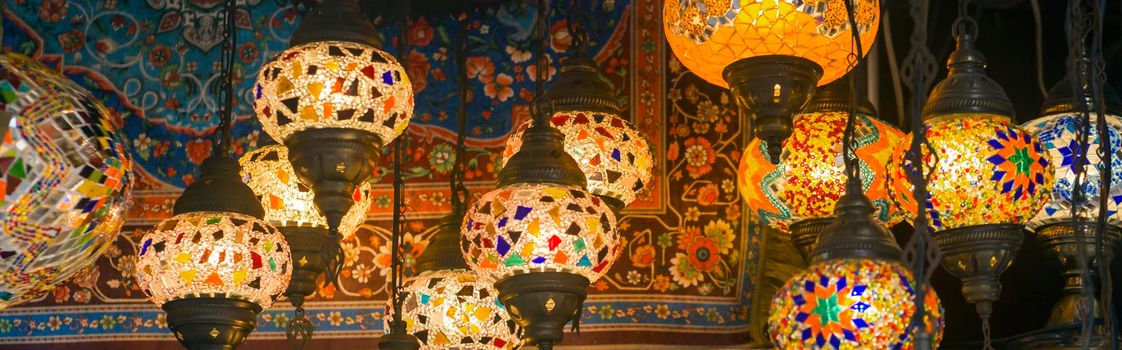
(855, 234)
(834, 97)
(542, 158)
(967, 89)
(580, 87)
(219, 188)
(335, 20)
(444, 251)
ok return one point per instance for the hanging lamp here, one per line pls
(447, 305)
(797, 195)
(541, 235)
(856, 294)
(615, 158)
(65, 177)
(290, 207)
(1057, 223)
(771, 54)
(215, 264)
(334, 98)
(977, 147)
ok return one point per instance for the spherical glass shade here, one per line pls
(454, 309)
(810, 176)
(333, 85)
(850, 304)
(213, 253)
(65, 179)
(1058, 135)
(708, 35)
(615, 158)
(985, 170)
(525, 228)
(288, 202)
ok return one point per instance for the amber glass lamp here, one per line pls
(334, 98)
(771, 54)
(797, 195)
(977, 147)
(65, 178)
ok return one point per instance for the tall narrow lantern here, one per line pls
(334, 98)
(977, 147)
(65, 178)
(798, 194)
(290, 208)
(771, 53)
(215, 264)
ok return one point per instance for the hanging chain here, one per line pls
(398, 234)
(856, 65)
(540, 109)
(460, 193)
(1105, 153)
(920, 253)
(578, 33)
(224, 133)
(1077, 30)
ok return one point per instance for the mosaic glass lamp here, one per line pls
(856, 294)
(215, 264)
(541, 236)
(334, 98)
(976, 147)
(1054, 224)
(771, 54)
(797, 195)
(447, 306)
(65, 178)
(290, 207)
(614, 156)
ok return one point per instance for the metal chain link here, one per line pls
(397, 277)
(226, 79)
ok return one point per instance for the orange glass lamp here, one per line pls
(290, 206)
(988, 176)
(65, 178)
(797, 195)
(771, 53)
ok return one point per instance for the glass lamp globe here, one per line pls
(531, 227)
(455, 309)
(1005, 168)
(65, 179)
(333, 84)
(219, 254)
(288, 202)
(1057, 133)
(810, 176)
(708, 36)
(850, 304)
(615, 159)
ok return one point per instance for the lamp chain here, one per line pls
(578, 33)
(460, 194)
(398, 233)
(920, 252)
(540, 109)
(856, 65)
(1105, 153)
(224, 133)
(1077, 30)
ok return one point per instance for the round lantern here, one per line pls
(1003, 165)
(289, 203)
(213, 254)
(708, 36)
(524, 228)
(455, 309)
(798, 193)
(333, 84)
(65, 179)
(850, 304)
(615, 159)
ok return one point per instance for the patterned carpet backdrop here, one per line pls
(154, 62)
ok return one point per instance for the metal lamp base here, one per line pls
(978, 255)
(211, 323)
(773, 88)
(804, 233)
(543, 302)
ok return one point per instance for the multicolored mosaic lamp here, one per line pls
(289, 205)
(856, 294)
(449, 306)
(771, 54)
(65, 178)
(1055, 225)
(541, 236)
(334, 99)
(797, 195)
(976, 147)
(614, 157)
